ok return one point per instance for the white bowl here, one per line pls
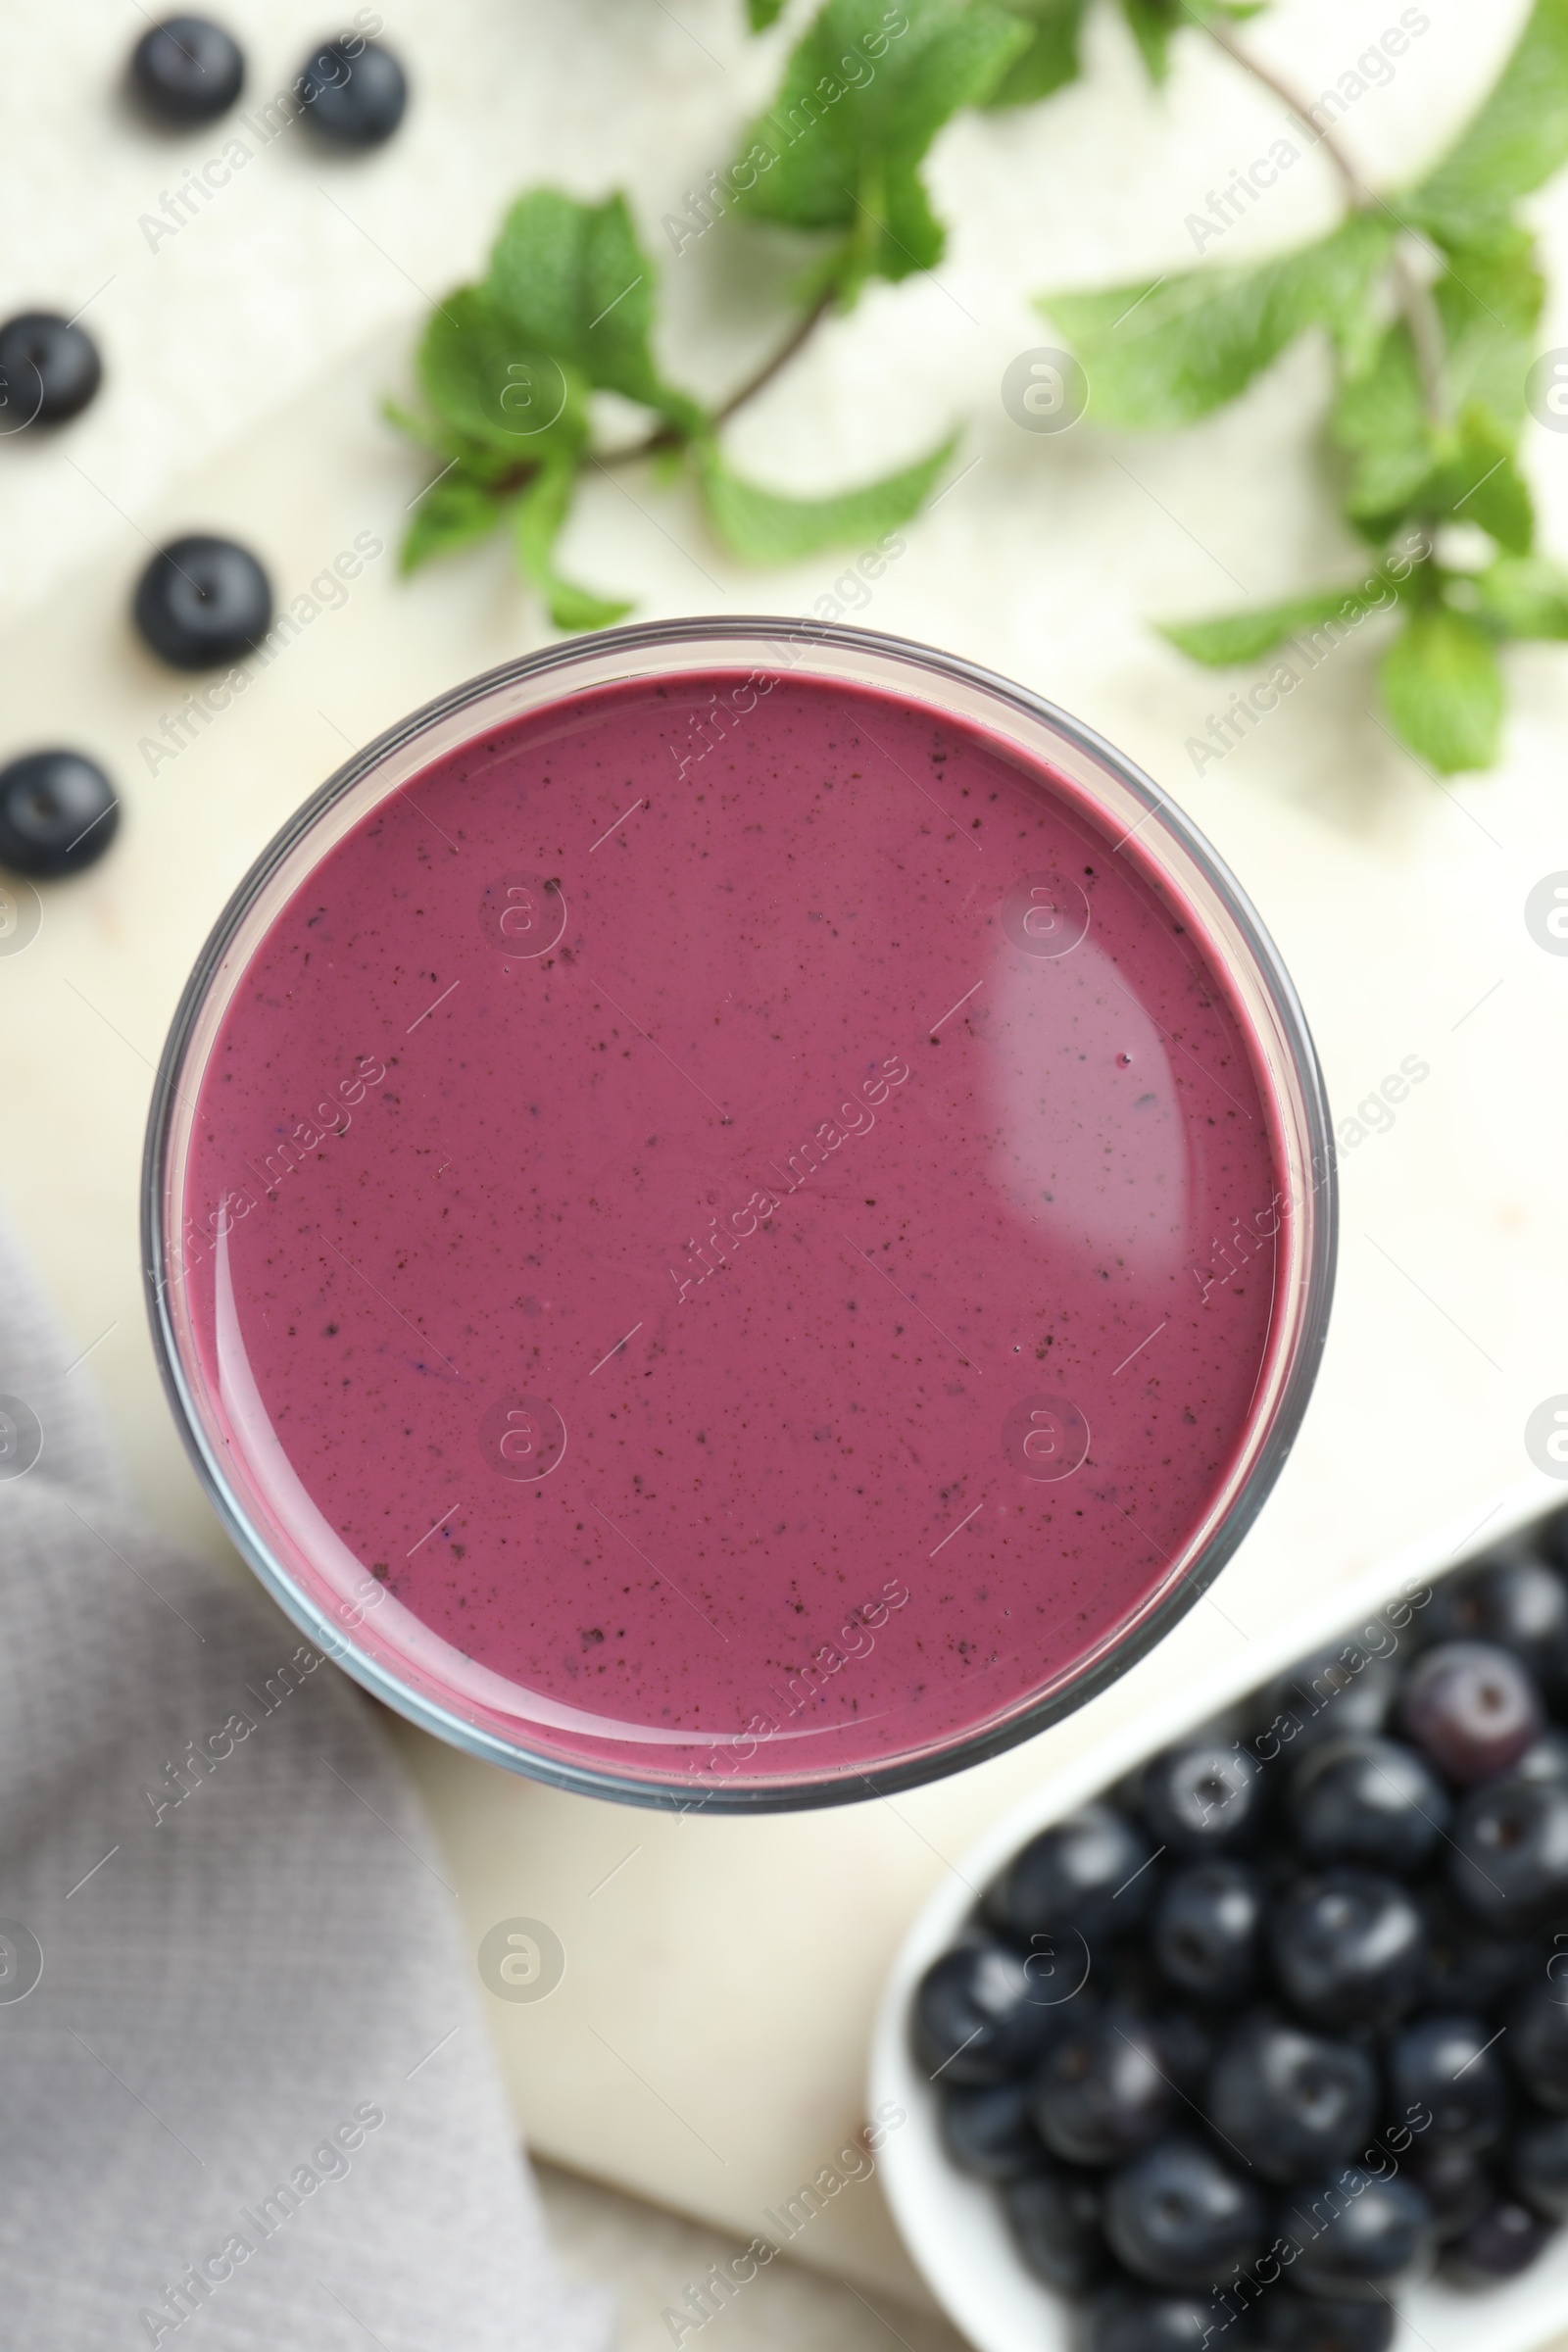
(954, 2225)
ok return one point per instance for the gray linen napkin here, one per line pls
(246, 2099)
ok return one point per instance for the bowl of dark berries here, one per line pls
(1249, 2030)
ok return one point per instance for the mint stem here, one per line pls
(805, 327)
(668, 436)
(1425, 322)
(1419, 309)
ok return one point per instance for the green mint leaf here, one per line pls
(487, 383)
(573, 608)
(765, 526)
(536, 521)
(428, 436)
(1150, 24)
(1158, 357)
(1522, 596)
(760, 14)
(1482, 483)
(1381, 426)
(864, 93)
(833, 272)
(1236, 637)
(1443, 691)
(1490, 301)
(1518, 140)
(573, 281)
(1050, 60)
(482, 464)
(451, 515)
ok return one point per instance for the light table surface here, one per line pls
(707, 2046)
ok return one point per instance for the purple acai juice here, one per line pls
(710, 1252)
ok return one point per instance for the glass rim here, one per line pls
(1265, 1440)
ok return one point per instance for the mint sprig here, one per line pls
(568, 308)
(508, 369)
(1429, 298)
(1429, 404)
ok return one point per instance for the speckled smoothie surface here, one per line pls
(720, 1227)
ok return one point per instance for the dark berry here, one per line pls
(1538, 2161)
(1520, 1604)
(187, 70)
(1367, 1801)
(1188, 2044)
(1053, 2214)
(58, 813)
(1350, 1948)
(987, 2131)
(1128, 1974)
(202, 601)
(1546, 1760)
(1537, 2043)
(1120, 2318)
(1177, 2216)
(354, 100)
(1455, 2183)
(1341, 1692)
(1203, 1798)
(49, 371)
(1450, 2069)
(1471, 1709)
(1357, 2231)
(976, 2016)
(1508, 1863)
(1466, 1967)
(1294, 2323)
(1103, 2091)
(1505, 2241)
(1551, 1538)
(1291, 2103)
(1206, 1929)
(1085, 1875)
